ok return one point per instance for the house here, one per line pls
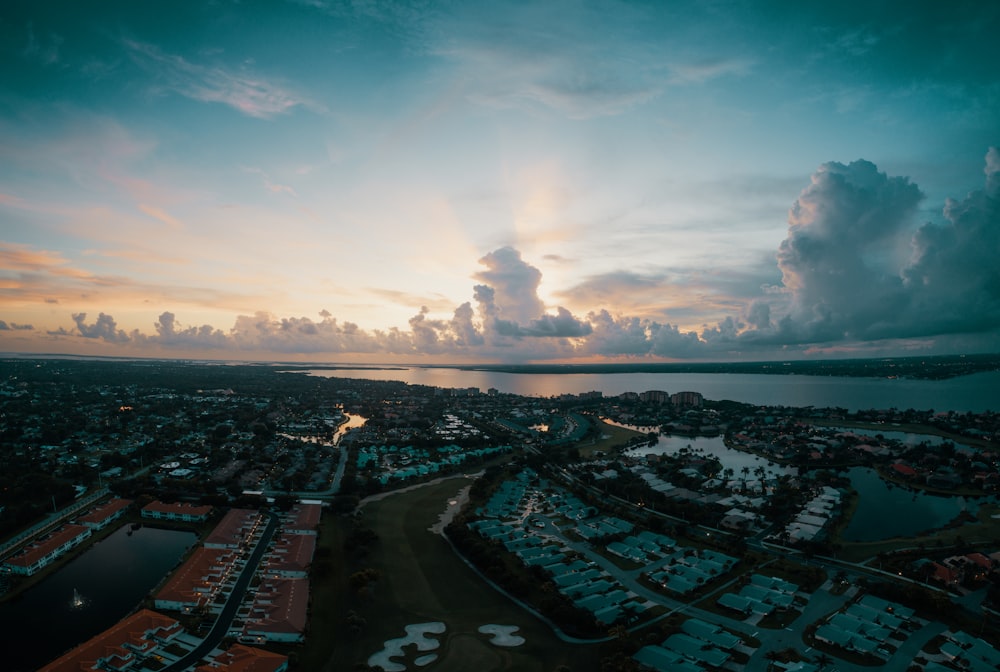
(279, 612)
(234, 530)
(188, 513)
(123, 646)
(240, 658)
(103, 515)
(197, 581)
(45, 551)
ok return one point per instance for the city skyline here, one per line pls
(499, 182)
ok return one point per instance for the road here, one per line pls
(225, 618)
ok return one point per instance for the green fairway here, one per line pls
(423, 580)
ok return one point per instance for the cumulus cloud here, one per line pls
(14, 326)
(836, 260)
(514, 283)
(105, 328)
(856, 271)
(855, 267)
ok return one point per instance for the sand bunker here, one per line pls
(416, 635)
(502, 635)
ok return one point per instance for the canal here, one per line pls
(88, 595)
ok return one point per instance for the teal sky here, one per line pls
(499, 181)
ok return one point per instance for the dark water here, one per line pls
(976, 393)
(714, 446)
(111, 577)
(886, 510)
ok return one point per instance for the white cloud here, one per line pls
(251, 94)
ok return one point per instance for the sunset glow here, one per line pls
(512, 182)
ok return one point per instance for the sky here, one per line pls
(461, 182)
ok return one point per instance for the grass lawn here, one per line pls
(423, 580)
(908, 428)
(611, 438)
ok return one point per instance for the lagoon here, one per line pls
(714, 446)
(886, 510)
(111, 578)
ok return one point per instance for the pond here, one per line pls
(905, 438)
(714, 446)
(886, 510)
(88, 595)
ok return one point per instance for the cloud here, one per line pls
(858, 275)
(105, 328)
(856, 268)
(13, 326)
(582, 59)
(251, 94)
(837, 261)
(514, 285)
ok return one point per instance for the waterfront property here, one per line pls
(47, 550)
(104, 514)
(123, 647)
(188, 513)
(235, 530)
(196, 583)
(239, 658)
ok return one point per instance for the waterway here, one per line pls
(886, 510)
(110, 578)
(714, 446)
(974, 393)
(352, 422)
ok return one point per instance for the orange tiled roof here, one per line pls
(287, 610)
(191, 581)
(233, 527)
(293, 552)
(109, 644)
(104, 511)
(306, 516)
(239, 658)
(39, 549)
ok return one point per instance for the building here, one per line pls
(188, 513)
(196, 583)
(104, 514)
(234, 530)
(47, 550)
(279, 612)
(239, 658)
(687, 399)
(303, 519)
(290, 557)
(124, 646)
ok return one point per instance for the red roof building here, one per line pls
(101, 516)
(46, 550)
(303, 519)
(239, 658)
(120, 647)
(280, 610)
(180, 511)
(234, 530)
(197, 581)
(291, 556)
